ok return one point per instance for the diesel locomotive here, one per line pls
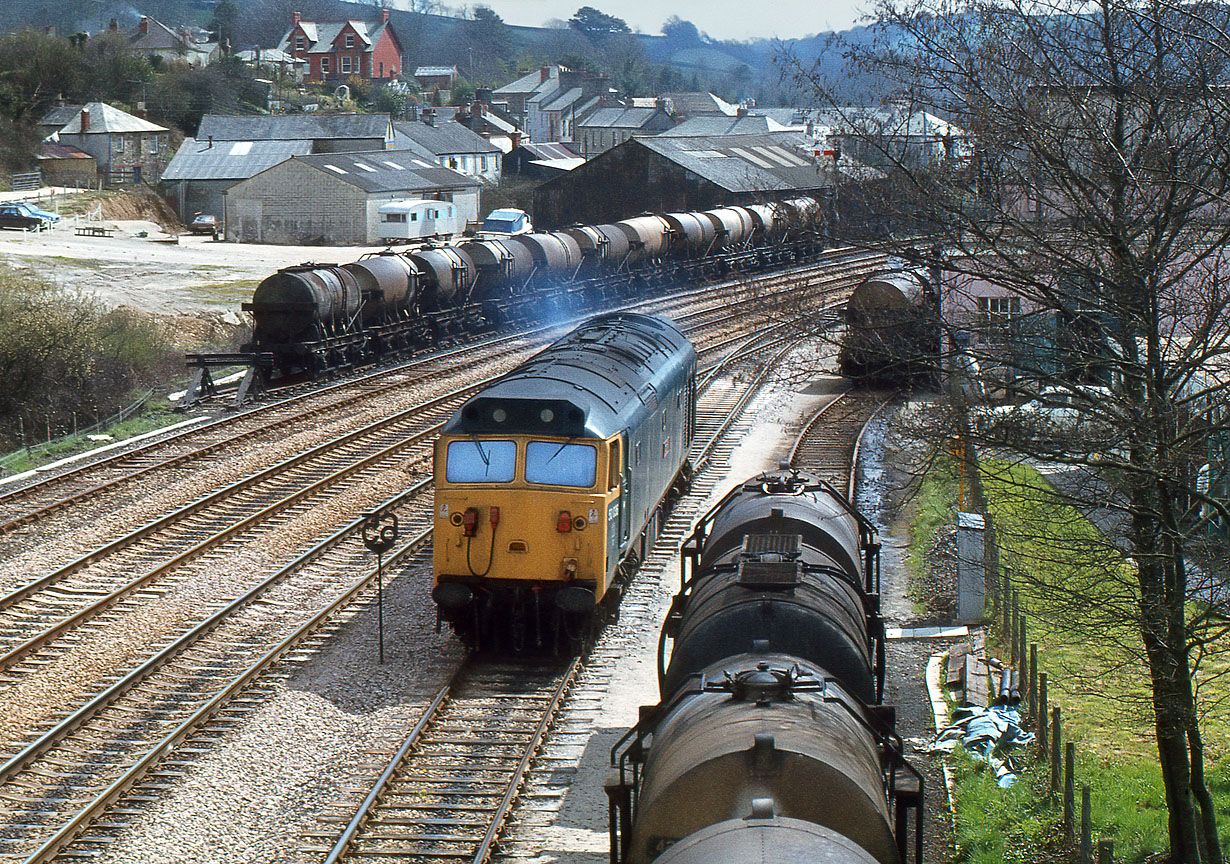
(551, 483)
(770, 743)
(317, 317)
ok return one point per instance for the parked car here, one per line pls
(13, 215)
(506, 222)
(45, 215)
(204, 223)
(1057, 411)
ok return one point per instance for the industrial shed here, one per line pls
(662, 174)
(334, 198)
(201, 171)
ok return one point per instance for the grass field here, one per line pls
(1068, 580)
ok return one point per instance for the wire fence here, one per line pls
(39, 445)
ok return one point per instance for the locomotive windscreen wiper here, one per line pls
(478, 445)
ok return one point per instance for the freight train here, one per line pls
(317, 317)
(770, 743)
(892, 327)
(551, 483)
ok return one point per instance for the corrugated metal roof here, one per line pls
(285, 127)
(774, 162)
(434, 71)
(445, 138)
(60, 151)
(388, 171)
(230, 160)
(104, 118)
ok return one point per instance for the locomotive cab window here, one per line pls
(478, 461)
(556, 463)
(615, 467)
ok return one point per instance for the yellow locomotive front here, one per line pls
(523, 527)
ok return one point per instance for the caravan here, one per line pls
(417, 219)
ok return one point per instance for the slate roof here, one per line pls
(527, 84)
(60, 115)
(196, 159)
(698, 103)
(158, 37)
(618, 118)
(775, 162)
(104, 119)
(444, 138)
(266, 127)
(388, 171)
(721, 125)
(321, 35)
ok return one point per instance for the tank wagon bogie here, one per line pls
(768, 744)
(549, 480)
(317, 317)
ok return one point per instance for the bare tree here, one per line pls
(1073, 157)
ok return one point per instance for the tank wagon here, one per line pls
(763, 748)
(551, 482)
(317, 317)
(892, 330)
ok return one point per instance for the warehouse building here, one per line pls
(333, 199)
(198, 177)
(663, 174)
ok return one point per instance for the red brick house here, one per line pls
(337, 50)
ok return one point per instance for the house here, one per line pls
(609, 127)
(154, 39)
(548, 103)
(490, 121)
(661, 174)
(66, 165)
(450, 144)
(335, 198)
(127, 149)
(337, 50)
(328, 133)
(687, 104)
(203, 170)
(436, 77)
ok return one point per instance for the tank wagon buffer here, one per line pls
(552, 482)
(892, 328)
(770, 743)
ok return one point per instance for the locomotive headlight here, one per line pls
(499, 415)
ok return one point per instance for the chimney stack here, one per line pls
(544, 72)
(295, 18)
(85, 120)
(384, 15)
(143, 27)
(114, 25)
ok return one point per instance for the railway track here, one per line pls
(66, 765)
(197, 448)
(829, 442)
(446, 792)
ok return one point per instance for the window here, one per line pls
(152, 143)
(117, 143)
(615, 468)
(414, 217)
(345, 65)
(349, 40)
(324, 65)
(476, 461)
(996, 313)
(394, 217)
(561, 464)
(300, 43)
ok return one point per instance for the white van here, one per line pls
(417, 219)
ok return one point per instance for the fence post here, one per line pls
(1041, 715)
(1055, 746)
(1086, 827)
(1033, 680)
(1016, 617)
(1106, 851)
(1069, 793)
(1021, 643)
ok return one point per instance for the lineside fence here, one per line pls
(39, 442)
(1011, 625)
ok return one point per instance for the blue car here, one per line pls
(37, 212)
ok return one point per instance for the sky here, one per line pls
(721, 19)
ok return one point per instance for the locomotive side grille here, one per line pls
(768, 576)
(772, 544)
